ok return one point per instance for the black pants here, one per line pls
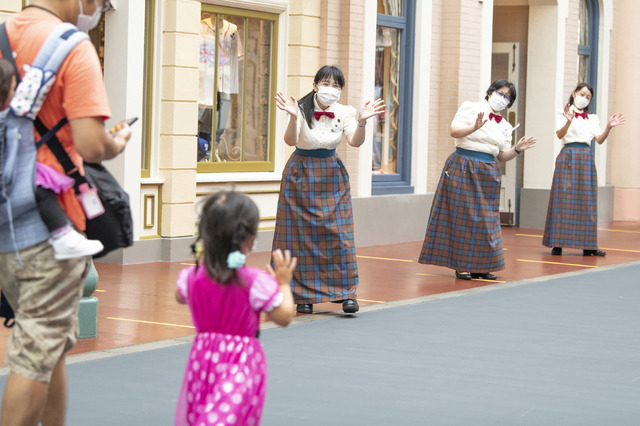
(50, 210)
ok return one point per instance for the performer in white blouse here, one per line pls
(314, 219)
(463, 232)
(572, 215)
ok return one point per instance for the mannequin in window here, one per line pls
(230, 52)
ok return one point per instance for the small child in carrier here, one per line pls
(67, 243)
(225, 377)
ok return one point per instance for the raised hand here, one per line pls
(616, 120)
(290, 105)
(525, 143)
(567, 113)
(369, 109)
(283, 266)
(480, 121)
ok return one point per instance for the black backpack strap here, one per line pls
(5, 49)
(49, 138)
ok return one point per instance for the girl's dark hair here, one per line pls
(502, 83)
(577, 89)
(327, 72)
(6, 72)
(227, 220)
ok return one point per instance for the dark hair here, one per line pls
(503, 83)
(327, 72)
(227, 220)
(579, 87)
(6, 72)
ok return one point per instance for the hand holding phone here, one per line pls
(120, 125)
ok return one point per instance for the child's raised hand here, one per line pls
(283, 266)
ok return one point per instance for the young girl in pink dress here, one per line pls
(225, 377)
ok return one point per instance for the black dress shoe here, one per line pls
(463, 275)
(556, 251)
(350, 306)
(594, 253)
(486, 276)
(306, 308)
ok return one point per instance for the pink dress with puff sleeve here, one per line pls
(225, 377)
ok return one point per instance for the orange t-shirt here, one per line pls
(78, 91)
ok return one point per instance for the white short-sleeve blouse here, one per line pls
(491, 138)
(326, 132)
(581, 129)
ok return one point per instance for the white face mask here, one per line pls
(88, 22)
(497, 102)
(581, 102)
(327, 95)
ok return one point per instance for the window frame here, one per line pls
(249, 166)
(400, 182)
(591, 50)
(148, 88)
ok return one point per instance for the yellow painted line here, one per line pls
(187, 264)
(151, 322)
(612, 249)
(618, 230)
(100, 291)
(371, 301)
(529, 235)
(558, 263)
(489, 281)
(434, 275)
(385, 258)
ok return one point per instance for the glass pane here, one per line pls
(583, 24)
(391, 7)
(583, 69)
(220, 104)
(258, 87)
(387, 86)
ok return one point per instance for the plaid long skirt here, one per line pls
(572, 216)
(464, 231)
(315, 222)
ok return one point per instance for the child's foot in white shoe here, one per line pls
(73, 244)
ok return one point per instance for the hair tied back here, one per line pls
(235, 259)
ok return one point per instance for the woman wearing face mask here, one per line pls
(464, 232)
(314, 219)
(572, 216)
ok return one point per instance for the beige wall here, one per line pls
(7, 7)
(624, 146)
(178, 116)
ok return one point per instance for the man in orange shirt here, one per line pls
(45, 293)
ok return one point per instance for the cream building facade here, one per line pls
(202, 76)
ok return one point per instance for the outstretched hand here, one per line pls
(616, 120)
(369, 109)
(283, 266)
(567, 113)
(288, 105)
(480, 121)
(525, 143)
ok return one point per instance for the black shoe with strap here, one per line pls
(556, 251)
(350, 306)
(304, 308)
(594, 253)
(463, 275)
(485, 276)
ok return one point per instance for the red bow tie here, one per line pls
(581, 114)
(496, 117)
(318, 114)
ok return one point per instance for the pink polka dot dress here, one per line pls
(225, 377)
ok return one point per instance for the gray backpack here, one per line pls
(17, 147)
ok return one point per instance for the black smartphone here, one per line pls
(120, 125)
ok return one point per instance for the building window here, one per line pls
(588, 44)
(236, 112)
(393, 75)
